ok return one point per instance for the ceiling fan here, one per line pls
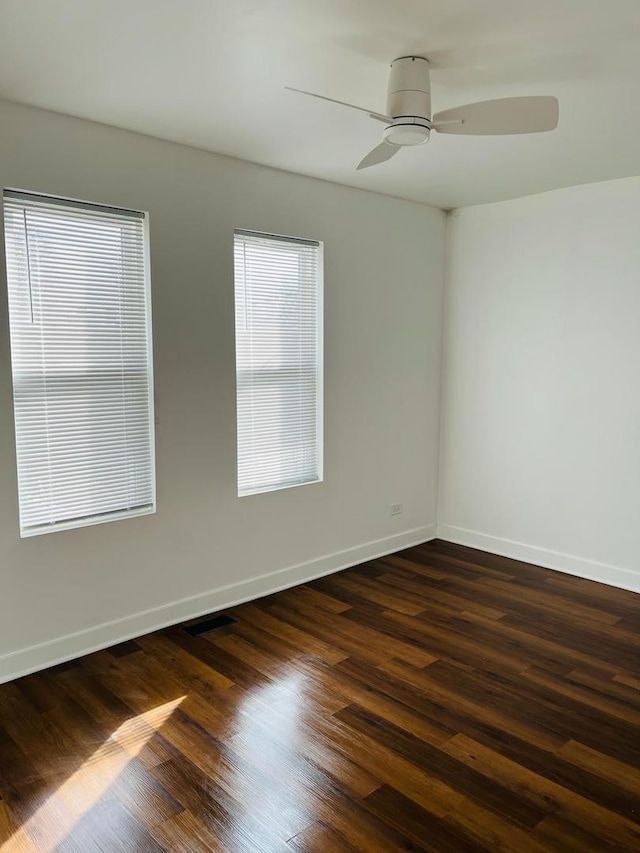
(409, 120)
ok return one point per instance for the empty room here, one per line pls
(319, 426)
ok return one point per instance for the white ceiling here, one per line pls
(210, 73)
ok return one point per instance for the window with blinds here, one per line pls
(79, 312)
(278, 298)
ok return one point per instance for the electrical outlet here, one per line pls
(396, 509)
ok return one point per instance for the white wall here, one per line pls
(383, 288)
(540, 450)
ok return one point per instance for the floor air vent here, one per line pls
(209, 623)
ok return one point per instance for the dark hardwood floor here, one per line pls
(441, 699)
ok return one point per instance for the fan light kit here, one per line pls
(409, 121)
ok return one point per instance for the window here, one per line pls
(278, 290)
(79, 317)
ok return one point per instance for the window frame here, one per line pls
(143, 216)
(319, 362)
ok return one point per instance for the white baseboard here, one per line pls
(567, 563)
(24, 661)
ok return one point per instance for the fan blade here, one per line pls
(506, 115)
(380, 153)
(370, 113)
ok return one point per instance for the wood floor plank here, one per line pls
(501, 634)
(483, 563)
(360, 829)
(16, 767)
(108, 826)
(606, 686)
(427, 594)
(441, 699)
(181, 662)
(313, 596)
(552, 712)
(212, 812)
(353, 691)
(307, 643)
(439, 633)
(438, 763)
(270, 720)
(13, 836)
(628, 680)
(619, 773)
(319, 837)
(578, 695)
(502, 717)
(385, 596)
(561, 834)
(427, 830)
(365, 642)
(185, 834)
(558, 798)
(403, 563)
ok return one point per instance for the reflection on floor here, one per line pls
(440, 699)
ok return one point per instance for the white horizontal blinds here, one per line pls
(81, 361)
(278, 359)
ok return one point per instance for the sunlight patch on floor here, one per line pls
(80, 792)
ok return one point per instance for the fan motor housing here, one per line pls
(407, 131)
(409, 91)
